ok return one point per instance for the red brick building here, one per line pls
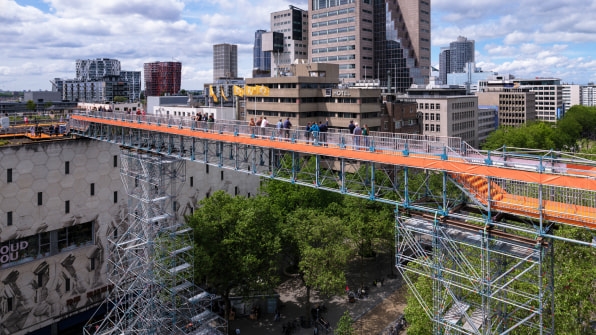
(162, 78)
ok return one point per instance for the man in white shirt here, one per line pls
(264, 125)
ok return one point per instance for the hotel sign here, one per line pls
(341, 93)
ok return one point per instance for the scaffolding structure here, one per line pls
(151, 265)
(482, 282)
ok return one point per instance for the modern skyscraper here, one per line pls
(462, 53)
(444, 64)
(261, 58)
(162, 78)
(455, 58)
(225, 61)
(373, 39)
(402, 42)
(292, 23)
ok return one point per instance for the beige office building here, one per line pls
(453, 116)
(549, 97)
(515, 106)
(311, 94)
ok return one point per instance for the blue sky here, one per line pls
(42, 39)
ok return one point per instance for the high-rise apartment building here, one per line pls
(99, 80)
(292, 23)
(341, 32)
(225, 61)
(588, 95)
(456, 58)
(261, 58)
(162, 78)
(97, 69)
(133, 84)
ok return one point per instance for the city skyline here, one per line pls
(43, 40)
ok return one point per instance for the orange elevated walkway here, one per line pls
(464, 172)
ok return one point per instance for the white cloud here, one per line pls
(546, 36)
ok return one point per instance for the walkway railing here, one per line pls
(439, 147)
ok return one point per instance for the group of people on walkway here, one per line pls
(315, 132)
(318, 131)
(359, 134)
(37, 130)
(205, 117)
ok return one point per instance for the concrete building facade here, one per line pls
(97, 69)
(60, 201)
(292, 23)
(311, 94)
(444, 113)
(549, 97)
(571, 95)
(99, 81)
(488, 121)
(225, 61)
(402, 35)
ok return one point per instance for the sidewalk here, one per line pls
(372, 315)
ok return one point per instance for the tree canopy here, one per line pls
(237, 244)
(579, 123)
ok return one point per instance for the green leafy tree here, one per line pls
(345, 325)
(31, 105)
(120, 99)
(237, 244)
(575, 283)
(419, 320)
(322, 251)
(371, 226)
(538, 135)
